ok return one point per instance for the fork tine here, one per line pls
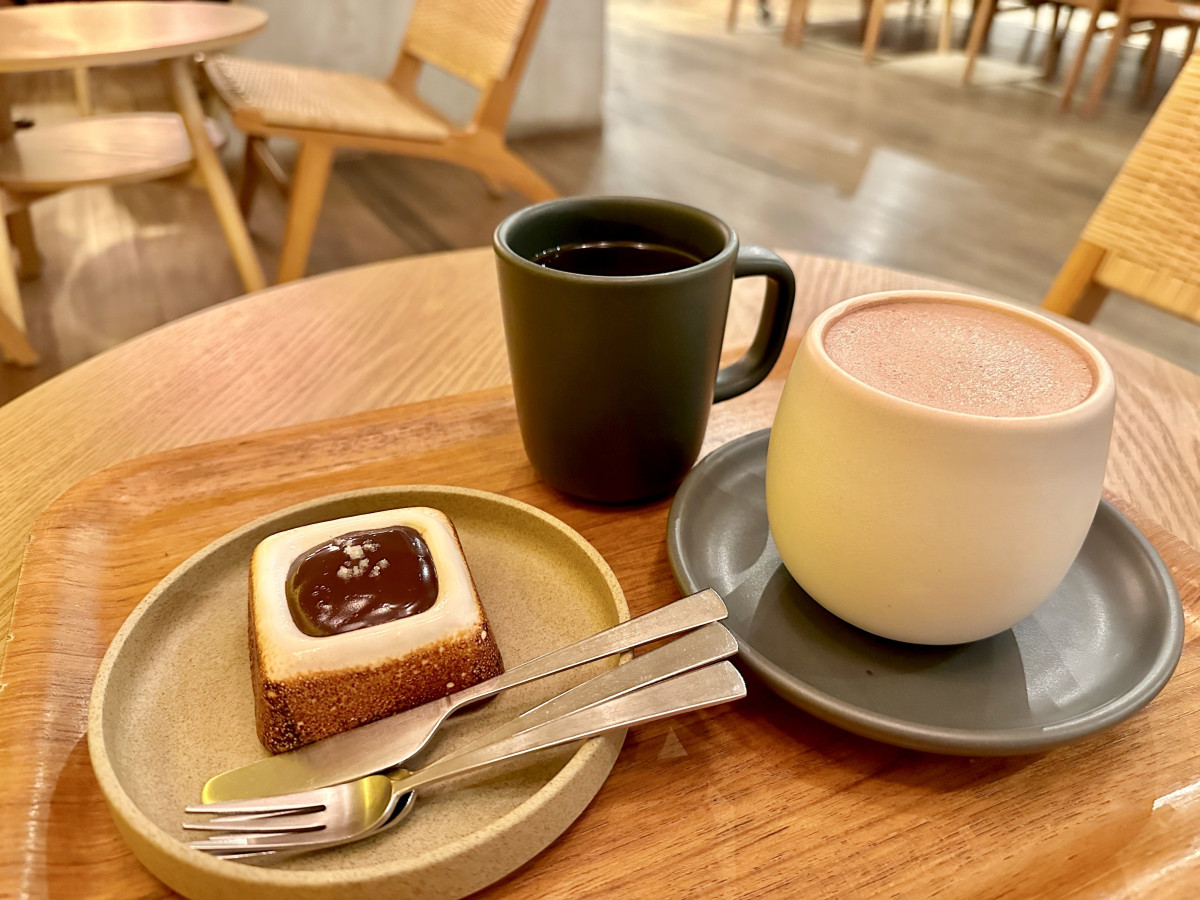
(257, 841)
(233, 845)
(284, 803)
(276, 823)
(261, 842)
(251, 855)
(252, 825)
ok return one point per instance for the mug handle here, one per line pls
(738, 377)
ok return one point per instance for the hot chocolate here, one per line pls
(964, 359)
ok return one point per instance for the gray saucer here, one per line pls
(1099, 649)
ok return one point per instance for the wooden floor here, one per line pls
(894, 164)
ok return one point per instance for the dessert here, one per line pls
(359, 618)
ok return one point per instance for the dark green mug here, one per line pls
(614, 374)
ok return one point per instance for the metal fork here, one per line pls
(392, 741)
(328, 817)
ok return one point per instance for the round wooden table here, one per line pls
(428, 327)
(111, 149)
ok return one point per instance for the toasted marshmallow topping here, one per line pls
(288, 652)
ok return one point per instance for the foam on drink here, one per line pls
(960, 358)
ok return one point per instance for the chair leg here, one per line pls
(874, 25)
(249, 182)
(20, 229)
(506, 168)
(946, 31)
(1100, 80)
(1054, 46)
(1150, 64)
(797, 23)
(1074, 292)
(83, 91)
(979, 27)
(183, 90)
(14, 344)
(1080, 59)
(731, 19)
(494, 188)
(308, 190)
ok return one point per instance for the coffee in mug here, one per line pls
(614, 312)
(936, 462)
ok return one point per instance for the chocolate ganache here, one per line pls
(361, 579)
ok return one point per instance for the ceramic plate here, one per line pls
(1100, 648)
(172, 705)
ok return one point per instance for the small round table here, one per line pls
(111, 149)
(429, 327)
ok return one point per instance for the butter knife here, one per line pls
(390, 742)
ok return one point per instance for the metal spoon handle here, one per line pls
(690, 612)
(708, 644)
(718, 683)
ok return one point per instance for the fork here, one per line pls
(392, 741)
(314, 820)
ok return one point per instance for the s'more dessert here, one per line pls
(359, 618)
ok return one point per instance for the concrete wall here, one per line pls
(563, 83)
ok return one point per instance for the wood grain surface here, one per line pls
(427, 327)
(98, 150)
(756, 799)
(355, 340)
(62, 35)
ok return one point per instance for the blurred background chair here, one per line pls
(1151, 17)
(873, 12)
(1161, 14)
(1144, 238)
(985, 12)
(762, 8)
(484, 42)
(875, 15)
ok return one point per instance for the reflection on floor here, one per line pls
(894, 164)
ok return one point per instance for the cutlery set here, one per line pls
(352, 786)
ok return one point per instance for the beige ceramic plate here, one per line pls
(172, 705)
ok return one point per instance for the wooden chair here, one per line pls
(986, 11)
(1162, 13)
(731, 18)
(484, 42)
(1144, 237)
(873, 14)
(1156, 15)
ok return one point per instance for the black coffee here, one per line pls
(616, 258)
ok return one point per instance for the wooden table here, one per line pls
(111, 149)
(429, 327)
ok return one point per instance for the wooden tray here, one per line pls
(755, 799)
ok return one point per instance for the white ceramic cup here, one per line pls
(924, 525)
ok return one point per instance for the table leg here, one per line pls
(20, 230)
(14, 345)
(187, 102)
(83, 92)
